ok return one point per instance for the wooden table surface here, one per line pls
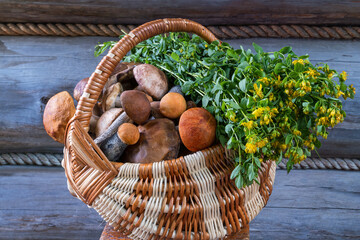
(306, 204)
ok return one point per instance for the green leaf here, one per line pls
(235, 172)
(288, 139)
(278, 68)
(175, 56)
(285, 50)
(205, 101)
(257, 48)
(242, 85)
(239, 182)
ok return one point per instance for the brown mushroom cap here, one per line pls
(197, 128)
(106, 120)
(152, 80)
(190, 104)
(79, 88)
(136, 105)
(58, 111)
(110, 95)
(128, 133)
(159, 140)
(172, 105)
(123, 73)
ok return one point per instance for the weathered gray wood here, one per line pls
(204, 11)
(311, 204)
(32, 69)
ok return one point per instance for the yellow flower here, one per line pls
(301, 61)
(264, 80)
(271, 97)
(297, 132)
(343, 75)
(262, 143)
(352, 88)
(258, 90)
(249, 125)
(250, 148)
(312, 73)
(258, 112)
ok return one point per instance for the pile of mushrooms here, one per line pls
(138, 119)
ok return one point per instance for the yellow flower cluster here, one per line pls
(312, 73)
(265, 80)
(252, 145)
(305, 87)
(301, 61)
(343, 76)
(329, 117)
(249, 125)
(258, 91)
(265, 114)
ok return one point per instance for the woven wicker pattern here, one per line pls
(191, 197)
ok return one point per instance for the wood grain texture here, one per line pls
(311, 204)
(32, 69)
(215, 12)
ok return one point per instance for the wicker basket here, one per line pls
(191, 197)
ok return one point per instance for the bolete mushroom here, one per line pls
(123, 73)
(111, 97)
(58, 111)
(106, 120)
(113, 147)
(79, 88)
(190, 104)
(136, 105)
(172, 105)
(152, 80)
(155, 109)
(176, 89)
(122, 118)
(159, 140)
(197, 128)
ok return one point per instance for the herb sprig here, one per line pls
(268, 105)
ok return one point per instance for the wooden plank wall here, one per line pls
(32, 69)
(209, 12)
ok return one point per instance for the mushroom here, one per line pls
(190, 104)
(111, 97)
(139, 88)
(155, 109)
(176, 89)
(58, 111)
(79, 88)
(136, 105)
(122, 118)
(106, 120)
(123, 73)
(172, 105)
(197, 128)
(152, 80)
(113, 147)
(159, 140)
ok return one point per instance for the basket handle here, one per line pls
(98, 79)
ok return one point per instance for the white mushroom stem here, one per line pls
(118, 102)
(113, 147)
(123, 118)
